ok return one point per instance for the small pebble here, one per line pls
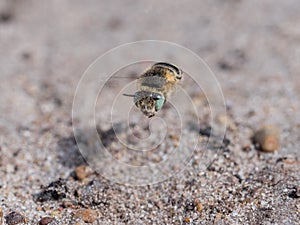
(14, 218)
(1, 216)
(187, 220)
(218, 216)
(175, 139)
(82, 172)
(267, 138)
(68, 204)
(46, 220)
(87, 215)
(199, 207)
(56, 213)
(246, 148)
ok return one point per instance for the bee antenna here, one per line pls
(129, 95)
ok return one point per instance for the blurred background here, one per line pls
(46, 46)
(253, 48)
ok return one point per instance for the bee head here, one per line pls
(148, 102)
(146, 105)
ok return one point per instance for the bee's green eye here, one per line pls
(159, 103)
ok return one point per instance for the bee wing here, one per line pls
(119, 81)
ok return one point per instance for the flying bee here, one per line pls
(155, 86)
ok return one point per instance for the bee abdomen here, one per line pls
(171, 67)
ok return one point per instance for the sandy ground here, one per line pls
(253, 48)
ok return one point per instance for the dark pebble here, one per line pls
(54, 191)
(14, 218)
(190, 206)
(46, 220)
(295, 193)
(205, 131)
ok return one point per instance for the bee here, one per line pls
(155, 86)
